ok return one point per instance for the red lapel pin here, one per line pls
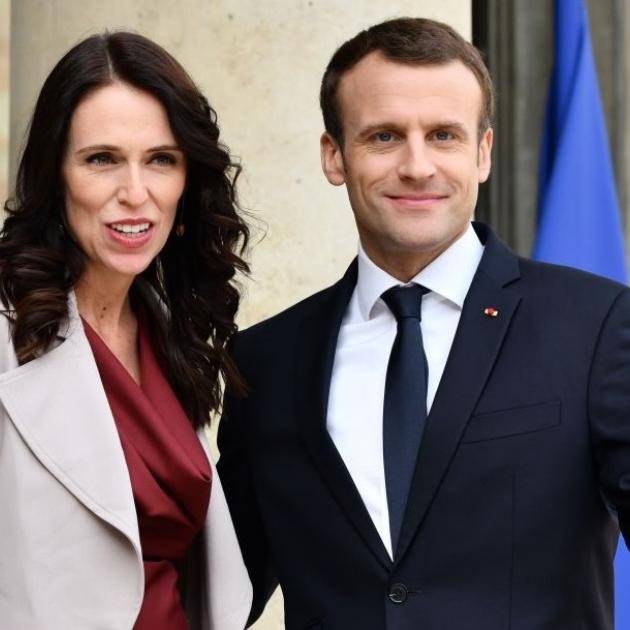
(490, 311)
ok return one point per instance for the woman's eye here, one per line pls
(100, 159)
(163, 159)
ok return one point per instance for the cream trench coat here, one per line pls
(70, 555)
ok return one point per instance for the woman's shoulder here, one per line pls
(8, 360)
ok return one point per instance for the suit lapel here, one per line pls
(474, 351)
(59, 407)
(314, 362)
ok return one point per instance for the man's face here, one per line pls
(411, 161)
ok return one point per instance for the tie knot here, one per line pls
(405, 301)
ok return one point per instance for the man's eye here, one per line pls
(100, 159)
(443, 135)
(384, 136)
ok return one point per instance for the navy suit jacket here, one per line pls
(522, 480)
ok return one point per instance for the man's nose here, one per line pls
(416, 161)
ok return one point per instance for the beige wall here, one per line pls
(260, 64)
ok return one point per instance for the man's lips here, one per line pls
(416, 200)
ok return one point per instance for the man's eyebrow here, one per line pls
(369, 130)
(453, 125)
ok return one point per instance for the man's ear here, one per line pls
(484, 159)
(332, 160)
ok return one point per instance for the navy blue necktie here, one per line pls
(405, 406)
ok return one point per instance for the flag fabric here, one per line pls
(579, 221)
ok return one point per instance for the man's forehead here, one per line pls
(375, 69)
(377, 85)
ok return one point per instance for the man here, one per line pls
(454, 453)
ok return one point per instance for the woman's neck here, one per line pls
(104, 305)
(110, 315)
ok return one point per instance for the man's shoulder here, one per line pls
(569, 297)
(325, 306)
(287, 320)
(548, 276)
(504, 265)
(500, 262)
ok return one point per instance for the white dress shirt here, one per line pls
(357, 388)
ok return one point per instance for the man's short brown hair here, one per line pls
(411, 41)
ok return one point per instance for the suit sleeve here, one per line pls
(235, 470)
(609, 409)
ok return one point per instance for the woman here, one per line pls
(116, 267)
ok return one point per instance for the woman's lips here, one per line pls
(130, 233)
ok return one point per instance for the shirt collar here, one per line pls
(449, 275)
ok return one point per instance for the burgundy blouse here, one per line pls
(169, 471)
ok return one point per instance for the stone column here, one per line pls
(5, 17)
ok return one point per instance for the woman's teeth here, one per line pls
(130, 230)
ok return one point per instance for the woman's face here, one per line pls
(123, 175)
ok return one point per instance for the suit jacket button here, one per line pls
(398, 593)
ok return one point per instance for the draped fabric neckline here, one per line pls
(169, 471)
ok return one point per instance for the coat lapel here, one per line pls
(59, 407)
(226, 583)
(474, 351)
(314, 362)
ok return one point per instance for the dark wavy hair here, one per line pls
(188, 292)
(410, 41)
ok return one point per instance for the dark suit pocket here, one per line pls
(515, 421)
(314, 624)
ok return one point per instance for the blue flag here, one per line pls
(579, 223)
